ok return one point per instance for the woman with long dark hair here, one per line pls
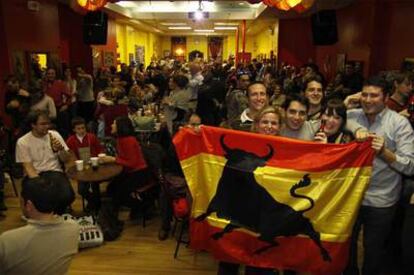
(130, 156)
(333, 121)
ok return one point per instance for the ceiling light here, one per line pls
(173, 24)
(226, 28)
(198, 15)
(199, 30)
(226, 24)
(180, 28)
(179, 51)
(135, 21)
(126, 4)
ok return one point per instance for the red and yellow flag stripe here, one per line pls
(340, 175)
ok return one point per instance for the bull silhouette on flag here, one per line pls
(246, 204)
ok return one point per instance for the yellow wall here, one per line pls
(265, 41)
(166, 44)
(198, 43)
(155, 45)
(261, 43)
(128, 37)
(229, 45)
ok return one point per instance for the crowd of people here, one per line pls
(57, 119)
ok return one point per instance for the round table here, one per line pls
(104, 172)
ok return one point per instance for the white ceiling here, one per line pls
(159, 16)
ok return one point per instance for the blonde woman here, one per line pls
(268, 121)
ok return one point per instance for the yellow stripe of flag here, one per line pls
(334, 192)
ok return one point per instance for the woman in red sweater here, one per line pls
(129, 155)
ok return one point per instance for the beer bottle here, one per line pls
(51, 138)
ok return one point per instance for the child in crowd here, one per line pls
(84, 145)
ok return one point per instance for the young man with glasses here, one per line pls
(40, 152)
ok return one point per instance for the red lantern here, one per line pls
(285, 5)
(92, 5)
(279, 4)
(304, 5)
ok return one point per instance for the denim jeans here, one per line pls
(377, 224)
(408, 240)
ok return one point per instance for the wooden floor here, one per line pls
(137, 251)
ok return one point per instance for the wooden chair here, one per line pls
(181, 222)
(146, 195)
(184, 224)
(6, 155)
(7, 170)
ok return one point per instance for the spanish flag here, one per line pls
(273, 202)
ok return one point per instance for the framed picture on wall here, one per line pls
(96, 58)
(131, 58)
(340, 62)
(19, 65)
(167, 53)
(109, 59)
(140, 54)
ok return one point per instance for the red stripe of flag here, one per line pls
(296, 154)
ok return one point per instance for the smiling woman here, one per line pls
(268, 121)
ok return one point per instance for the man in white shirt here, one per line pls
(40, 151)
(195, 81)
(47, 244)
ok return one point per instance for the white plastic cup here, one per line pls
(157, 126)
(94, 162)
(79, 165)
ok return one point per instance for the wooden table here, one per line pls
(104, 172)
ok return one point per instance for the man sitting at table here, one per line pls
(40, 151)
(84, 145)
(47, 244)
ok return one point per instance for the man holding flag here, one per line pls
(393, 141)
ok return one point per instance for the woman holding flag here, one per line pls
(267, 122)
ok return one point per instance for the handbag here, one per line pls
(90, 233)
